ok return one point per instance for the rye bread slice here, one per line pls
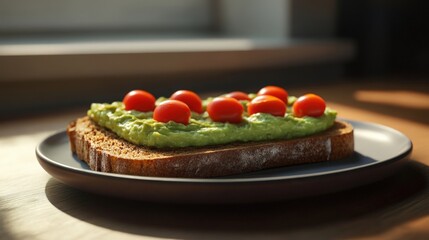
(104, 151)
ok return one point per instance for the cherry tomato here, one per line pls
(275, 91)
(189, 98)
(309, 105)
(172, 110)
(267, 104)
(238, 95)
(225, 109)
(139, 100)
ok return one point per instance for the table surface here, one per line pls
(33, 205)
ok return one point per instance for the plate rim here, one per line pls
(402, 155)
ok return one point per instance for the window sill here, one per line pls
(92, 58)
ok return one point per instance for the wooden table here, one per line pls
(33, 205)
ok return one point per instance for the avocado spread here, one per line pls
(141, 129)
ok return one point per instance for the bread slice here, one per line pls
(104, 151)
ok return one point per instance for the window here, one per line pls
(48, 41)
(65, 16)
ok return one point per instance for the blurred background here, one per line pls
(63, 54)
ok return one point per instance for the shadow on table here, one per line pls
(353, 213)
(5, 233)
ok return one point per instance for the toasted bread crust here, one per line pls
(104, 151)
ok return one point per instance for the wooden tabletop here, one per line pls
(33, 205)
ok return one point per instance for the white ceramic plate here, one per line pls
(379, 151)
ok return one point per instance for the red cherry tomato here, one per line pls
(172, 110)
(309, 105)
(225, 109)
(238, 95)
(189, 98)
(139, 100)
(267, 104)
(278, 92)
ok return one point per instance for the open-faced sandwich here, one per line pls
(184, 136)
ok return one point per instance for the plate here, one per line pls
(379, 152)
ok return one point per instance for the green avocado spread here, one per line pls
(141, 129)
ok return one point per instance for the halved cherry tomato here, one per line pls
(309, 105)
(225, 109)
(172, 110)
(267, 104)
(275, 91)
(189, 98)
(139, 100)
(238, 95)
